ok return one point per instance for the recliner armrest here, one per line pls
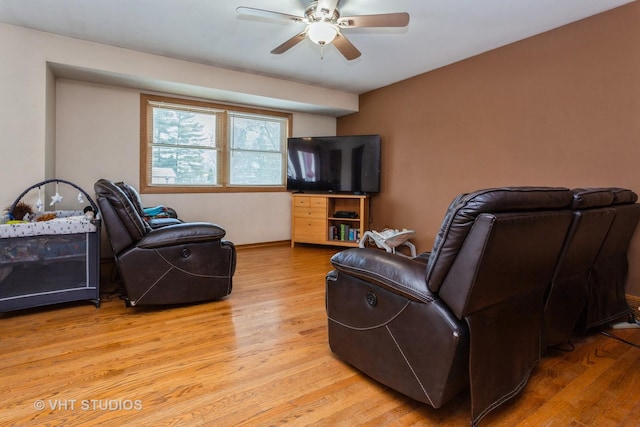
(395, 273)
(178, 234)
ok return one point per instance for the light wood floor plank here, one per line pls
(260, 358)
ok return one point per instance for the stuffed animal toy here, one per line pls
(20, 211)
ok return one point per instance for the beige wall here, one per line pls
(559, 109)
(97, 136)
(53, 127)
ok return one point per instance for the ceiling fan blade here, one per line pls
(261, 13)
(346, 48)
(290, 43)
(382, 20)
(326, 8)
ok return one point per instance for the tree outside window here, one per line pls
(193, 146)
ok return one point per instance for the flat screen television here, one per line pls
(335, 164)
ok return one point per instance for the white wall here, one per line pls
(85, 131)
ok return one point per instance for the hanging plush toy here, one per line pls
(56, 198)
(39, 203)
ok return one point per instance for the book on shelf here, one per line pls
(333, 232)
(343, 232)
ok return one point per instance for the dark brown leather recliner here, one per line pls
(588, 286)
(568, 292)
(471, 318)
(174, 264)
(607, 301)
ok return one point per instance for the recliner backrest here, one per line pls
(623, 196)
(123, 223)
(474, 242)
(133, 196)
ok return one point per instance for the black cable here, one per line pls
(118, 291)
(610, 335)
(632, 320)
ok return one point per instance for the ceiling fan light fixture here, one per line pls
(324, 25)
(322, 32)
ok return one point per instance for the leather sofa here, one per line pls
(470, 314)
(173, 264)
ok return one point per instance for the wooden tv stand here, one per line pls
(313, 219)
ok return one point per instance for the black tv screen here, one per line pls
(337, 164)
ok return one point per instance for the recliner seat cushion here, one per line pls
(189, 232)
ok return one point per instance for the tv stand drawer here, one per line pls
(309, 202)
(310, 230)
(310, 212)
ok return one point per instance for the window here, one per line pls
(195, 146)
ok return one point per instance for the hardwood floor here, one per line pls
(261, 358)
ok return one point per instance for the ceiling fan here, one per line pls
(324, 25)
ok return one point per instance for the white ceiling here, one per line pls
(440, 32)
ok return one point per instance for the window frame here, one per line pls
(148, 101)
